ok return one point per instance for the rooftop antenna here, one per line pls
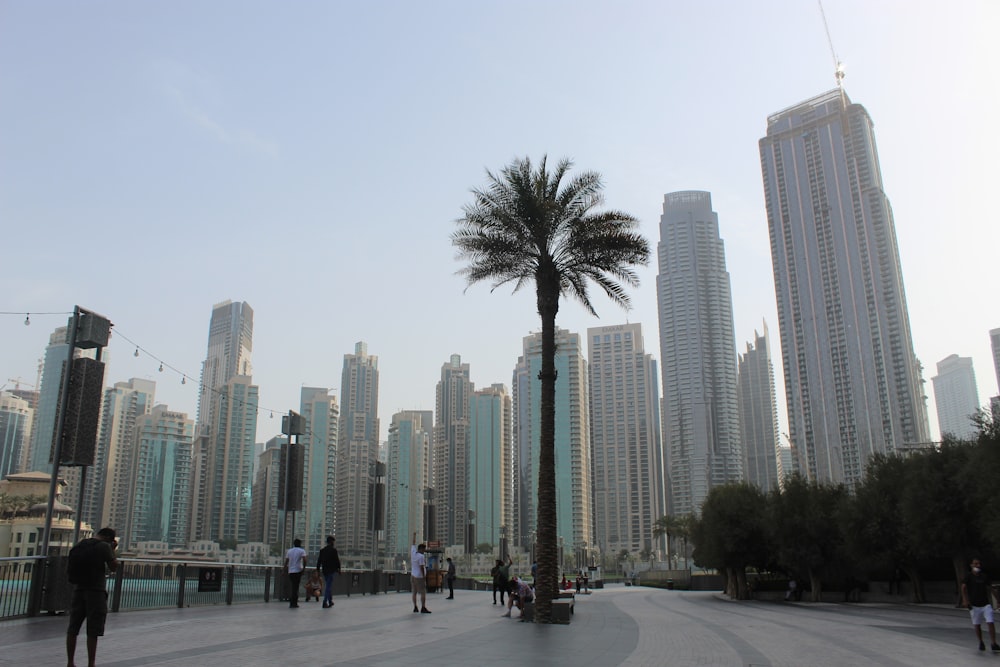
(838, 71)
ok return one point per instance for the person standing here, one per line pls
(451, 579)
(89, 562)
(976, 598)
(501, 575)
(418, 575)
(329, 564)
(295, 563)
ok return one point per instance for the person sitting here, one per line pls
(518, 593)
(565, 583)
(314, 587)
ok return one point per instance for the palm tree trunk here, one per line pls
(548, 548)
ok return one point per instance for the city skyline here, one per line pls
(159, 139)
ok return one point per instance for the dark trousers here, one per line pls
(294, 579)
(499, 586)
(328, 587)
(451, 587)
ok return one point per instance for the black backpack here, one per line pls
(85, 565)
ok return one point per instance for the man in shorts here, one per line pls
(418, 575)
(88, 569)
(976, 598)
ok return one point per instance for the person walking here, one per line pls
(976, 598)
(418, 575)
(328, 563)
(295, 564)
(89, 562)
(451, 579)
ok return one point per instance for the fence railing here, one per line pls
(37, 585)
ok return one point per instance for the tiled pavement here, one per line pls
(614, 626)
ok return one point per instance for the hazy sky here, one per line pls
(311, 158)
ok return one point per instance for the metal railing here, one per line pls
(37, 585)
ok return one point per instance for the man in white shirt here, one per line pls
(418, 575)
(295, 563)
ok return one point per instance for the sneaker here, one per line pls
(507, 615)
(416, 611)
(425, 610)
(982, 646)
(995, 647)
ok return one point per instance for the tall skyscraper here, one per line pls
(451, 451)
(956, 397)
(574, 500)
(628, 465)
(408, 478)
(223, 452)
(701, 431)
(223, 465)
(158, 502)
(322, 417)
(230, 343)
(44, 423)
(852, 381)
(109, 487)
(357, 453)
(15, 432)
(759, 414)
(265, 524)
(490, 465)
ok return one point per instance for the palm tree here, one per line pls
(525, 226)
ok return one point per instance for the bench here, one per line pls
(562, 611)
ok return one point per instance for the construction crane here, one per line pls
(838, 66)
(18, 381)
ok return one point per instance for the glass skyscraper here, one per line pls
(701, 430)
(852, 380)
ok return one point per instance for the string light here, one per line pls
(162, 364)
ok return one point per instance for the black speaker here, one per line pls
(93, 331)
(290, 498)
(82, 412)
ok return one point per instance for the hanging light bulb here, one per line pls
(183, 380)
(137, 352)
(27, 319)
(272, 414)
(161, 366)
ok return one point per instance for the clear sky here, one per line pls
(311, 158)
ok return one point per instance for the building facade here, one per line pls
(574, 500)
(108, 493)
(158, 503)
(357, 453)
(956, 397)
(16, 416)
(451, 453)
(229, 352)
(628, 462)
(758, 406)
(408, 478)
(265, 521)
(321, 413)
(701, 431)
(490, 465)
(852, 381)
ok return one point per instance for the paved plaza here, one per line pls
(618, 625)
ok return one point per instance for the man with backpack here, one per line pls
(88, 565)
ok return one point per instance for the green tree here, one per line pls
(875, 536)
(529, 226)
(937, 506)
(484, 548)
(805, 519)
(731, 535)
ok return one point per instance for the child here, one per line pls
(314, 587)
